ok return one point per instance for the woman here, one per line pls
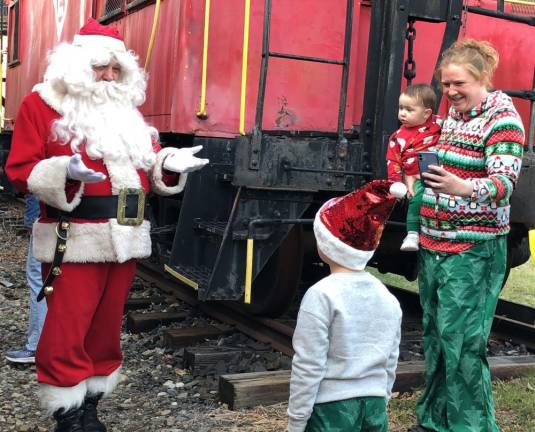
(465, 221)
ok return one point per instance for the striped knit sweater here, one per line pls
(484, 145)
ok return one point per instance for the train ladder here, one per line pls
(256, 141)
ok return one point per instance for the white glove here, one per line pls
(183, 161)
(76, 170)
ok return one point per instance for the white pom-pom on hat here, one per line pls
(398, 189)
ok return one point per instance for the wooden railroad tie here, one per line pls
(205, 360)
(267, 388)
(142, 322)
(251, 389)
(137, 303)
(182, 337)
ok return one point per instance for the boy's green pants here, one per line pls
(459, 293)
(413, 209)
(350, 415)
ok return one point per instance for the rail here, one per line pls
(245, 56)
(278, 333)
(202, 109)
(155, 21)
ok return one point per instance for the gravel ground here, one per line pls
(155, 393)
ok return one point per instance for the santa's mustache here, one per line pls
(102, 92)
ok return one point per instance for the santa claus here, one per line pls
(81, 146)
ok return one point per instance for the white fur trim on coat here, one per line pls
(103, 384)
(53, 398)
(47, 182)
(337, 250)
(94, 242)
(52, 97)
(157, 174)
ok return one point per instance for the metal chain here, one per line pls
(409, 71)
(464, 16)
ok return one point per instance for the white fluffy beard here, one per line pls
(102, 120)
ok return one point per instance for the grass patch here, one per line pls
(515, 402)
(520, 286)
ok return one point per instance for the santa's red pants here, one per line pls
(81, 334)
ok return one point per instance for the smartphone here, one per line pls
(426, 158)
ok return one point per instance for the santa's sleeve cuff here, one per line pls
(158, 183)
(47, 182)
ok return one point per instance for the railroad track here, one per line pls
(278, 333)
(273, 332)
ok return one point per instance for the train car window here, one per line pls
(108, 9)
(514, 7)
(13, 34)
(525, 8)
(131, 4)
(112, 8)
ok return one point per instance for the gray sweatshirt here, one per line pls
(346, 343)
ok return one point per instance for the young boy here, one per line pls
(419, 131)
(346, 340)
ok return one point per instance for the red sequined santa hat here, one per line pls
(348, 228)
(95, 35)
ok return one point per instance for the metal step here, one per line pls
(194, 277)
(217, 228)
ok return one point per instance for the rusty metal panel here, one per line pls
(299, 95)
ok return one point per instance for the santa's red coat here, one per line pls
(38, 164)
(79, 349)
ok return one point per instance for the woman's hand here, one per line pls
(442, 181)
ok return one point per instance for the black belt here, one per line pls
(128, 208)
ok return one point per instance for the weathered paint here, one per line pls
(299, 95)
(41, 28)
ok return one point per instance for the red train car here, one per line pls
(300, 95)
(293, 101)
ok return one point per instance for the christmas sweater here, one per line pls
(484, 145)
(38, 164)
(405, 143)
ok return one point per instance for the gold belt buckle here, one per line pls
(121, 207)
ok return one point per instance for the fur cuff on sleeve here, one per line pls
(47, 182)
(157, 175)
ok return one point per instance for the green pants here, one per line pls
(413, 210)
(350, 415)
(459, 293)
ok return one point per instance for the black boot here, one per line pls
(90, 420)
(69, 421)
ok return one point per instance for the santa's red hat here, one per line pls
(95, 35)
(348, 228)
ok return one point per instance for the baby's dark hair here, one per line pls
(423, 93)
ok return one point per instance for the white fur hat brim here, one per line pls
(99, 42)
(336, 250)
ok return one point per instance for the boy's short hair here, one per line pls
(423, 93)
